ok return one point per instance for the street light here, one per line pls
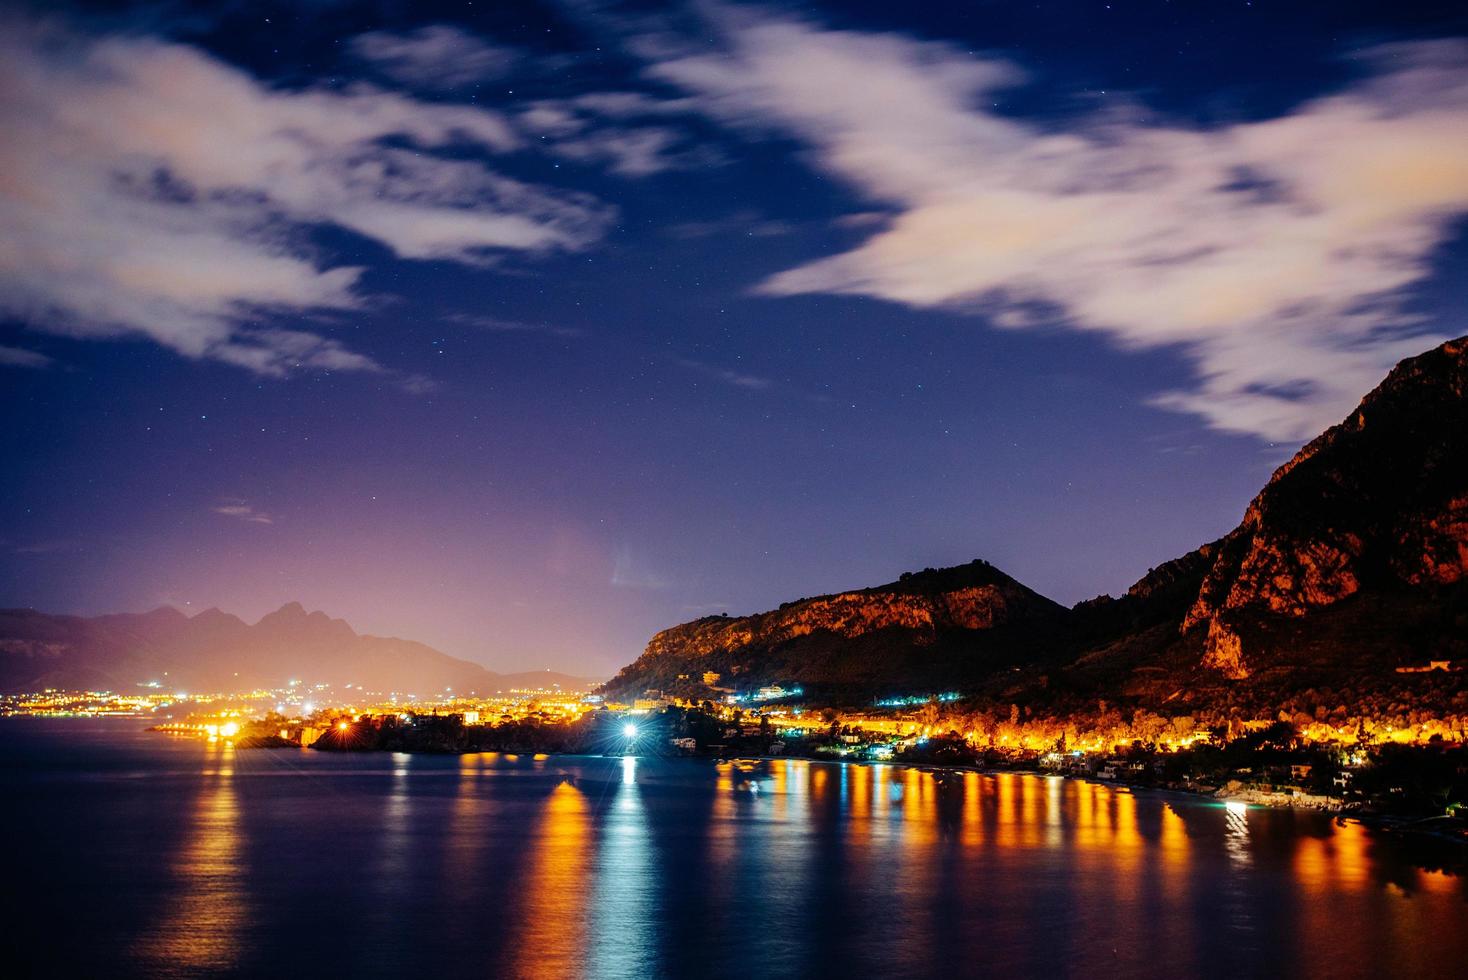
(629, 730)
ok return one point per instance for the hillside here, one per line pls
(218, 652)
(928, 627)
(1352, 562)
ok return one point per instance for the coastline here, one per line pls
(1435, 827)
(1457, 833)
(1388, 822)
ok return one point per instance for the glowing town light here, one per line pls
(629, 730)
(341, 726)
(229, 729)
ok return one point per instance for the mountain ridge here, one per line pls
(1353, 558)
(216, 651)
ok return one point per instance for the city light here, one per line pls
(629, 730)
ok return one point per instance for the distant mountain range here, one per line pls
(216, 652)
(1352, 562)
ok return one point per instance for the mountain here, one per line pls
(1352, 562)
(927, 627)
(216, 652)
(1377, 506)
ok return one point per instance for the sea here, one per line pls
(136, 854)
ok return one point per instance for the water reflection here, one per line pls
(201, 930)
(623, 927)
(1236, 834)
(468, 820)
(397, 813)
(645, 867)
(554, 915)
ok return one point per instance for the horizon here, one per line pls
(527, 332)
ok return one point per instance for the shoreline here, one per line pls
(1447, 829)
(1343, 811)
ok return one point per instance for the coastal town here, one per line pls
(1417, 769)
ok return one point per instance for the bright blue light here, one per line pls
(629, 730)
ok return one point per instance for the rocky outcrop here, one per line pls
(1356, 550)
(1375, 503)
(916, 611)
(850, 614)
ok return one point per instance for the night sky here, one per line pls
(527, 330)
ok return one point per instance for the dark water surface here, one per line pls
(133, 854)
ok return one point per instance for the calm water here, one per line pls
(129, 854)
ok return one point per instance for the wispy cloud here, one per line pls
(151, 189)
(419, 384)
(499, 325)
(599, 128)
(630, 572)
(750, 224)
(20, 357)
(1276, 254)
(739, 379)
(435, 57)
(638, 152)
(242, 510)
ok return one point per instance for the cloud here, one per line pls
(419, 384)
(20, 357)
(631, 572)
(497, 325)
(593, 129)
(738, 379)
(1276, 254)
(626, 152)
(435, 57)
(147, 188)
(747, 223)
(241, 510)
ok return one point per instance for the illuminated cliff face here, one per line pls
(919, 609)
(1375, 502)
(851, 614)
(1350, 559)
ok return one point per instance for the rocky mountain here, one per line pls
(217, 652)
(1377, 504)
(927, 626)
(1352, 562)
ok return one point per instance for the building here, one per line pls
(1443, 665)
